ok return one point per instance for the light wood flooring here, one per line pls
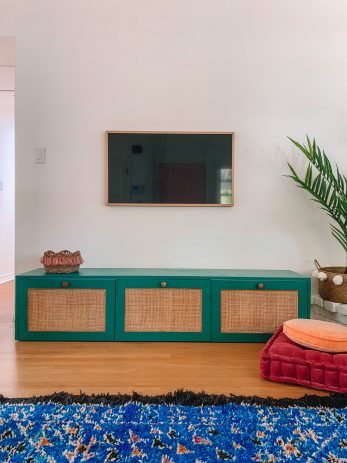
(35, 368)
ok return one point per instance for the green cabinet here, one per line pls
(250, 310)
(65, 309)
(163, 309)
(158, 304)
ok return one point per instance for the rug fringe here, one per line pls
(181, 397)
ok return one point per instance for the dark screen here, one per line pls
(158, 168)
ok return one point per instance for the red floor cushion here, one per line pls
(284, 361)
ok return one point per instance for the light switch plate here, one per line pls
(1, 185)
(40, 155)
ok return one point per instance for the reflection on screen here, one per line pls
(158, 168)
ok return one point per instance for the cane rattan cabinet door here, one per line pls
(155, 309)
(65, 309)
(252, 310)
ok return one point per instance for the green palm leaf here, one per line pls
(327, 186)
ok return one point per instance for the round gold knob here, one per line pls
(260, 285)
(163, 284)
(65, 284)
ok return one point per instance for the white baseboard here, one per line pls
(6, 277)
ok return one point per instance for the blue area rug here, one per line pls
(182, 427)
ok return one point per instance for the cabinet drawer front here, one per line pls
(169, 310)
(78, 310)
(244, 311)
(251, 310)
(177, 311)
(63, 309)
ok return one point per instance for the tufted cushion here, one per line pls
(284, 361)
(316, 334)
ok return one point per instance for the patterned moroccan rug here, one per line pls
(182, 427)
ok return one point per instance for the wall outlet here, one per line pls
(40, 155)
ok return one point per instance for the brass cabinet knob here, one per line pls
(65, 284)
(260, 285)
(163, 284)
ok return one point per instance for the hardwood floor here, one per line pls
(28, 368)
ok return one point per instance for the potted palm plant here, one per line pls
(328, 187)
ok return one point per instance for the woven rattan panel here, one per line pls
(165, 310)
(256, 311)
(67, 310)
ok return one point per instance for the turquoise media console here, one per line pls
(158, 304)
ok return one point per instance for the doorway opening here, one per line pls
(7, 175)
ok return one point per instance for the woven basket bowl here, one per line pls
(61, 262)
(328, 290)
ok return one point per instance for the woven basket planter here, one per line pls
(61, 262)
(327, 288)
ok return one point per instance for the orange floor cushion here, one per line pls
(317, 334)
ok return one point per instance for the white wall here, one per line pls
(7, 57)
(262, 68)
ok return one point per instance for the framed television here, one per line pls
(170, 168)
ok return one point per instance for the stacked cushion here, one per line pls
(316, 334)
(283, 360)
